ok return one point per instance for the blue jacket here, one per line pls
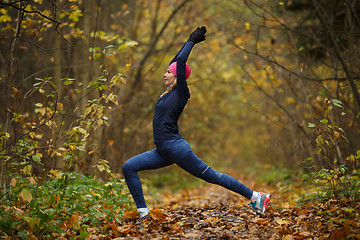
(170, 106)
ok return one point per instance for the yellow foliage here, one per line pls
(54, 173)
(4, 17)
(290, 100)
(247, 26)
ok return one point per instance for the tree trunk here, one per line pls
(90, 11)
(54, 162)
(9, 100)
(339, 53)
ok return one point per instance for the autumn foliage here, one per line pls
(275, 85)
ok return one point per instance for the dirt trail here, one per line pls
(212, 212)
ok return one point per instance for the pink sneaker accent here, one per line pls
(260, 204)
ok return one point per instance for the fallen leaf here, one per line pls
(282, 222)
(74, 218)
(126, 229)
(26, 195)
(334, 209)
(131, 214)
(32, 180)
(13, 182)
(305, 234)
(293, 204)
(177, 226)
(337, 234)
(157, 214)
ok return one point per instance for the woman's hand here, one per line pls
(198, 35)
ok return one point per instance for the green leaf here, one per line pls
(324, 121)
(37, 84)
(97, 55)
(350, 210)
(88, 110)
(322, 93)
(68, 82)
(52, 84)
(83, 234)
(102, 79)
(27, 169)
(109, 46)
(23, 234)
(326, 87)
(311, 125)
(337, 103)
(131, 43)
(36, 158)
(81, 130)
(94, 49)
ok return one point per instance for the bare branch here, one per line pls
(278, 104)
(288, 70)
(338, 52)
(37, 127)
(23, 10)
(12, 4)
(151, 47)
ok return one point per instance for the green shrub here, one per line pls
(67, 202)
(340, 183)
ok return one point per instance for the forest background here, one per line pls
(275, 84)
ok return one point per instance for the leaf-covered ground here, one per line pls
(212, 212)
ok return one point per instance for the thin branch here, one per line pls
(37, 127)
(96, 27)
(22, 155)
(353, 11)
(288, 70)
(27, 11)
(266, 116)
(23, 10)
(277, 103)
(338, 52)
(151, 48)
(283, 24)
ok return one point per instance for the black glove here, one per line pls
(198, 35)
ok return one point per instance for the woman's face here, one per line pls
(169, 77)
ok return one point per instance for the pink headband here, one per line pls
(172, 68)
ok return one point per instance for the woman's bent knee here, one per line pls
(126, 167)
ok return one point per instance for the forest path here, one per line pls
(212, 212)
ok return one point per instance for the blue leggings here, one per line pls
(179, 152)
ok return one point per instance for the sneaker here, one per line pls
(260, 204)
(147, 217)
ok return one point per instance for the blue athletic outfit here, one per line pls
(171, 147)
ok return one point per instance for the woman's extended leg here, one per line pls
(198, 168)
(187, 160)
(144, 161)
(183, 156)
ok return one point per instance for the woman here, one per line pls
(171, 147)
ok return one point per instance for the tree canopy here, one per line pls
(275, 82)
